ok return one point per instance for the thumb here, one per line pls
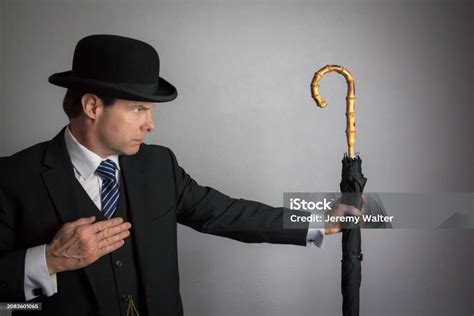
(354, 211)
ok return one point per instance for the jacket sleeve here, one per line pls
(210, 211)
(12, 261)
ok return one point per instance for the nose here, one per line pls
(149, 125)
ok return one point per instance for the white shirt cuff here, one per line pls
(37, 275)
(315, 236)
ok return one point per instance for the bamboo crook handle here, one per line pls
(350, 101)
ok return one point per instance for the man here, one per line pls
(88, 219)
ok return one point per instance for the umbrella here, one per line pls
(352, 185)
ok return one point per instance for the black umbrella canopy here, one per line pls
(352, 185)
(352, 181)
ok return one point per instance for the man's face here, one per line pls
(121, 127)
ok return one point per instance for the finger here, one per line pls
(362, 211)
(332, 230)
(113, 239)
(113, 230)
(364, 201)
(352, 210)
(99, 226)
(109, 248)
(362, 208)
(82, 221)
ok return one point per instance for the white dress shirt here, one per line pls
(85, 162)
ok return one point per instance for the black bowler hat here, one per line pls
(117, 67)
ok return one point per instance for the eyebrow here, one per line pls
(142, 106)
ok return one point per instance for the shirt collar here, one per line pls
(84, 160)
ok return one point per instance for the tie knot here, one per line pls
(107, 169)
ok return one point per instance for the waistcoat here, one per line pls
(115, 276)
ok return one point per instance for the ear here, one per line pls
(91, 105)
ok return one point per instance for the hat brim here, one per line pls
(165, 91)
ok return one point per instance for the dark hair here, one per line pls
(72, 103)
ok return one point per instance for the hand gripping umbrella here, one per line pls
(352, 184)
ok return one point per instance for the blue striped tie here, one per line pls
(110, 190)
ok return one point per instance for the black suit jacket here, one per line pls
(36, 199)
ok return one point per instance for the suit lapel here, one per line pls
(149, 186)
(61, 184)
(137, 190)
(61, 181)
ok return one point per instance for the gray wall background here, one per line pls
(244, 123)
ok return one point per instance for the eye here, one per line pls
(137, 110)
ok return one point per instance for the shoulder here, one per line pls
(22, 167)
(153, 155)
(26, 156)
(147, 149)
(153, 152)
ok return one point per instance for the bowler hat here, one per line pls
(118, 67)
